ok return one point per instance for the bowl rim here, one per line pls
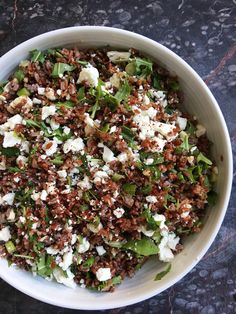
(229, 157)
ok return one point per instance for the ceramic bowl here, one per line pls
(198, 101)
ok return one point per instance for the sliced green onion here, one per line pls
(10, 247)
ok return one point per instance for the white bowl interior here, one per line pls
(198, 101)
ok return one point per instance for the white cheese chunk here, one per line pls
(11, 139)
(73, 145)
(11, 216)
(201, 130)
(7, 199)
(52, 251)
(90, 75)
(66, 260)
(108, 155)
(151, 199)
(48, 111)
(62, 173)
(167, 244)
(50, 94)
(85, 183)
(84, 246)
(119, 212)
(65, 280)
(11, 123)
(103, 274)
(50, 147)
(5, 234)
(182, 122)
(100, 249)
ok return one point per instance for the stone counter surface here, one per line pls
(202, 32)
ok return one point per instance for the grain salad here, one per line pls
(100, 166)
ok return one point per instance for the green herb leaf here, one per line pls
(124, 92)
(44, 265)
(128, 134)
(156, 81)
(23, 92)
(212, 198)
(81, 93)
(116, 280)
(67, 104)
(82, 62)
(24, 256)
(37, 55)
(129, 188)
(10, 151)
(174, 85)
(147, 189)
(15, 169)
(60, 68)
(117, 177)
(139, 67)
(151, 223)
(33, 124)
(204, 159)
(145, 246)
(58, 160)
(160, 275)
(10, 247)
(19, 75)
(89, 262)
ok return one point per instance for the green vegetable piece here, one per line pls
(129, 188)
(37, 55)
(151, 223)
(105, 128)
(174, 85)
(82, 62)
(145, 246)
(44, 265)
(89, 262)
(124, 92)
(58, 160)
(10, 151)
(67, 104)
(117, 177)
(60, 68)
(19, 75)
(84, 207)
(140, 67)
(156, 81)
(212, 198)
(160, 275)
(204, 159)
(24, 256)
(23, 92)
(147, 189)
(33, 124)
(10, 247)
(127, 134)
(81, 93)
(116, 280)
(15, 169)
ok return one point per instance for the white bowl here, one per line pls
(198, 101)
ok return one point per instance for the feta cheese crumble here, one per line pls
(103, 274)
(89, 75)
(5, 234)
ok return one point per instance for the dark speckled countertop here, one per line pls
(202, 32)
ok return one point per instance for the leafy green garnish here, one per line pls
(15, 169)
(10, 247)
(160, 275)
(33, 124)
(128, 134)
(146, 189)
(117, 177)
(156, 81)
(157, 158)
(58, 160)
(89, 262)
(67, 104)
(19, 75)
(23, 92)
(204, 159)
(37, 55)
(24, 256)
(212, 198)
(10, 151)
(151, 223)
(129, 188)
(116, 280)
(174, 85)
(139, 67)
(44, 268)
(82, 62)
(60, 68)
(145, 246)
(81, 94)
(123, 92)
